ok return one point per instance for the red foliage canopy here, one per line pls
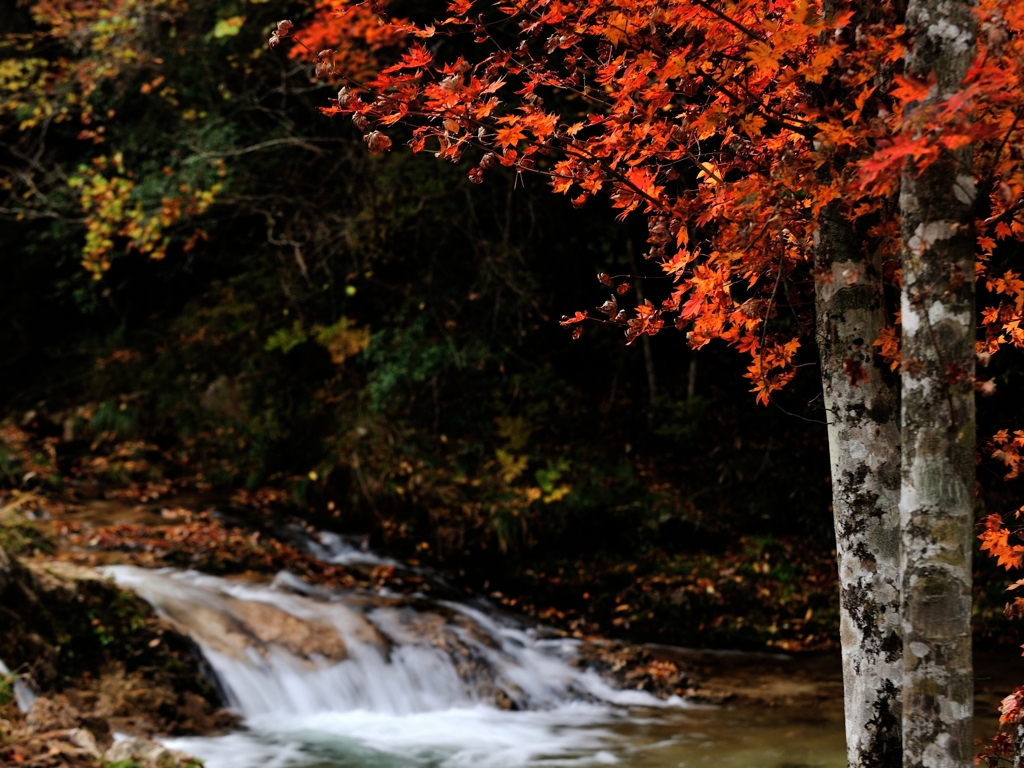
(730, 126)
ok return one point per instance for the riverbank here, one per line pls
(105, 662)
(140, 672)
(88, 660)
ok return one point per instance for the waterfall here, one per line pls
(24, 694)
(286, 648)
(357, 677)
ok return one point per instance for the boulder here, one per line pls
(71, 742)
(148, 754)
(304, 638)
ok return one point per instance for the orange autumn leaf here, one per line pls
(726, 138)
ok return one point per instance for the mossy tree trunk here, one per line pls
(937, 489)
(864, 446)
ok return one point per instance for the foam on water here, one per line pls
(345, 550)
(479, 736)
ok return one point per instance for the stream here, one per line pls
(367, 679)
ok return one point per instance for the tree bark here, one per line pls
(864, 446)
(937, 490)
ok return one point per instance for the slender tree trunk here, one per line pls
(862, 407)
(864, 447)
(645, 340)
(652, 380)
(937, 491)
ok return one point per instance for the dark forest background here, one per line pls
(370, 344)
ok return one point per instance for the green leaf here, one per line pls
(287, 339)
(228, 27)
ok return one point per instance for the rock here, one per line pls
(132, 748)
(148, 753)
(209, 626)
(226, 397)
(52, 714)
(304, 638)
(28, 625)
(236, 627)
(139, 702)
(83, 740)
(636, 667)
(71, 747)
(54, 574)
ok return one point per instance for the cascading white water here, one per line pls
(277, 651)
(363, 679)
(321, 675)
(345, 550)
(24, 694)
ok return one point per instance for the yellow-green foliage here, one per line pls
(114, 209)
(101, 45)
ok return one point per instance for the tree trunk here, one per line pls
(937, 491)
(645, 340)
(863, 430)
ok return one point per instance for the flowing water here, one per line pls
(24, 696)
(365, 679)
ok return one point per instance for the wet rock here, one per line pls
(502, 700)
(83, 741)
(56, 574)
(210, 626)
(304, 638)
(148, 754)
(636, 667)
(235, 628)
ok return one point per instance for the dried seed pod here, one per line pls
(377, 142)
